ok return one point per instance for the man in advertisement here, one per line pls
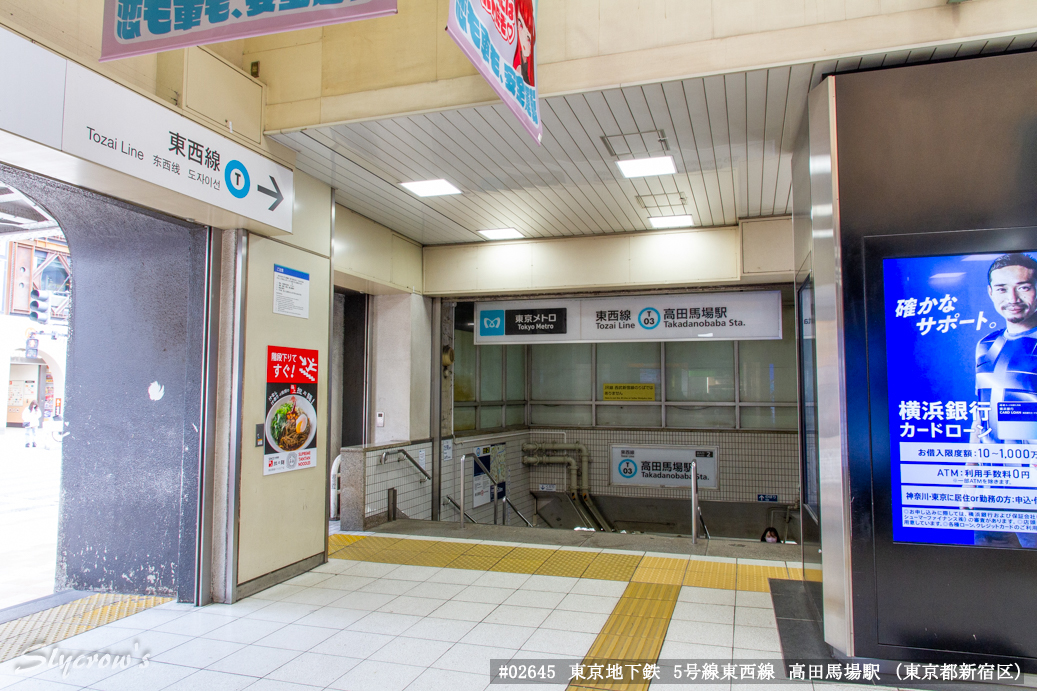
(1006, 359)
(1006, 371)
(961, 345)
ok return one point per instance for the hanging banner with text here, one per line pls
(139, 27)
(744, 316)
(290, 429)
(499, 37)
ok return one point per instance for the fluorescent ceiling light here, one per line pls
(501, 234)
(643, 167)
(671, 221)
(430, 188)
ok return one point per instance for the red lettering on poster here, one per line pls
(503, 14)
(291, 365)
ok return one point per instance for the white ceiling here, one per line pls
(731, 137)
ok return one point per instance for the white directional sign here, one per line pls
(110, 125)
(742, 316)
(663, 466)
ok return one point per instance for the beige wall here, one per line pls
(370, 258)
(756, 251)
(311, 217)
(282, 517)
(405, 64)
(632, 260)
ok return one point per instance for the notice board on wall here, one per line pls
(495, 458)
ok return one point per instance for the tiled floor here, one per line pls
(357, 625)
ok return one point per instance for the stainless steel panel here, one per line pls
(831, 380)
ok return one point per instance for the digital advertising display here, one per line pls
(961, 350)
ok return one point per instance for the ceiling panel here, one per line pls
(731, 137)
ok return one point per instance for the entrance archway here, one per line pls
(132, 414)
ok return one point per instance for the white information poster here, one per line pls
(291, 292)
(663, 466)
(495, 458)
(732, 316)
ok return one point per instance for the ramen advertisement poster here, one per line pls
(291, 410)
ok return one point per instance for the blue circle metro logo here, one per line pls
(649, 318)
(238, 182)
(627, 468)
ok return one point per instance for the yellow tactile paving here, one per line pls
(797, 574)
(710, 574)
(414, 545)
(361, 549)
(340, 540)
(660, 570)
(612, 567)
(753, 577)
(523, 560)
(565, 562)
(59, 623)
(634, 631)
(473, 563)
(484, 550)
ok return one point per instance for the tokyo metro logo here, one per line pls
(491, 323)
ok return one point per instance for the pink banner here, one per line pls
(499, 38)
(139, 27)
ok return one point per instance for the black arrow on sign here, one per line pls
(275, 193)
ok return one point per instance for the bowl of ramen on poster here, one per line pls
(291, 423)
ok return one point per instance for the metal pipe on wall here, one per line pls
(536, 447)
(556, 460)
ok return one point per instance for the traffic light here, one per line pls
(39, 308)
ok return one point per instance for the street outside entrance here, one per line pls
(30, 480)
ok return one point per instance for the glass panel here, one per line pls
(785, 417)
(767, 369)
(567, 415)
(630, 416)
(464, 368)
(628, 363)
(491, 376)
(561, 372)
(464, 419)
(54, 278)
(489, 416)
(516, 415)
(710, 417)
(808, 401)
(516, 373)
(700, 371)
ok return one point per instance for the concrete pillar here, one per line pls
(401, 337)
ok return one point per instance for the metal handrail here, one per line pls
(406, 455)
(694, 503)
(493, 486)
(466, 514)
(515, 509)
(460, 476)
